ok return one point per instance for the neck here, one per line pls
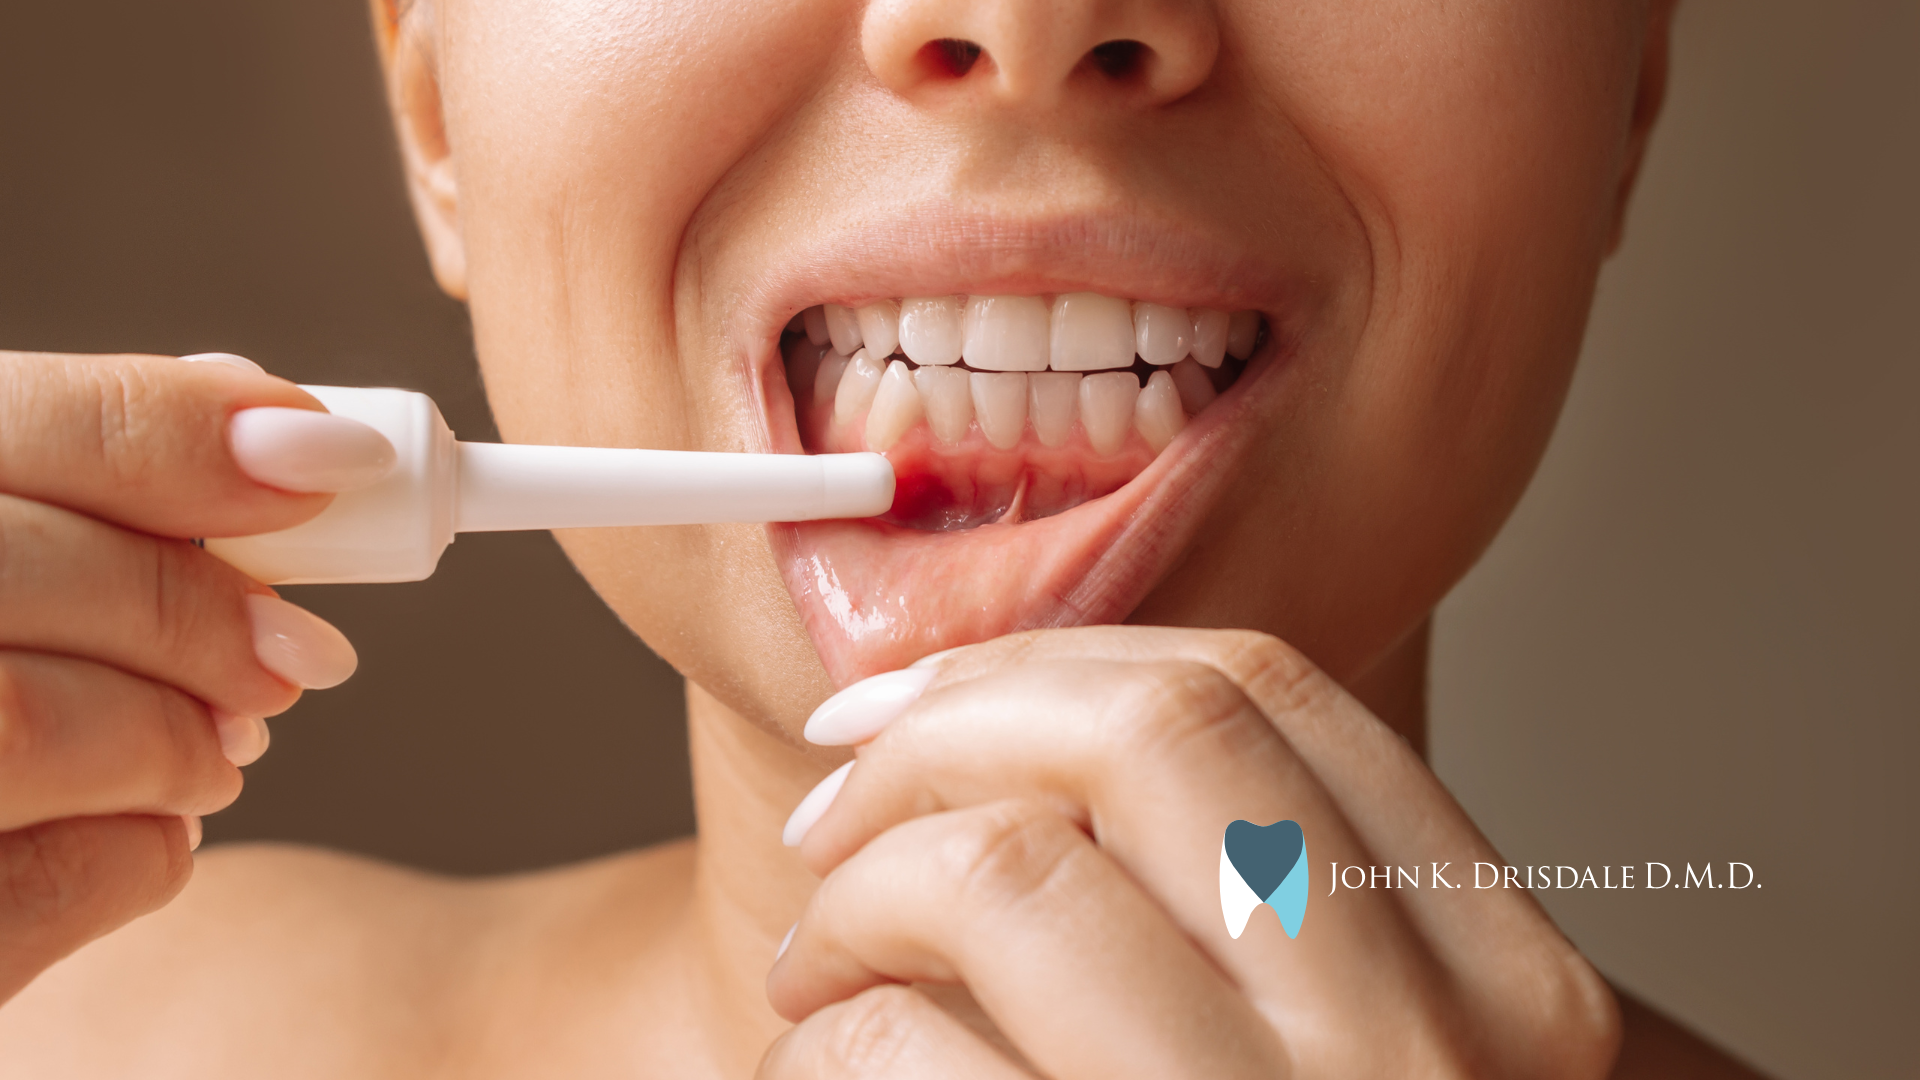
(749, 888)
(1395, 689)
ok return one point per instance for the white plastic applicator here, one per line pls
(396, 528)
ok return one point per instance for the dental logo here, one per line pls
(1263, 864)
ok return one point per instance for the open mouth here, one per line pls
(1065, 403)
(1008, 409)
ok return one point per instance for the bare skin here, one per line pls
(1017, 878)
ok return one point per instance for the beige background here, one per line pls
(1695, 642)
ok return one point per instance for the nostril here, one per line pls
(951, 57)
(1119, 59)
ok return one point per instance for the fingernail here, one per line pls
(242, 738)
(932, 660)
(786, 941)
(226, 358)
(194, 833)
(864, 709)
(814, 806)
(307, 450)
(298, 645)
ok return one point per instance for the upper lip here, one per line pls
(935, 250)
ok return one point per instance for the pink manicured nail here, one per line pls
(306, 450)
(814, 806)
(242, 738)
(194, 833)
(227, 358)
(864, 709)
(298, 645)
(786, 941)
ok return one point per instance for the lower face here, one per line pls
(1280, 354)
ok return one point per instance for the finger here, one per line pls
(1154, 758)
(142, 441)
(79, 739)
(163, 609)
(64, 883)
(1499, 940)
(1355, 756)
(1081, 969)
(887, 1031)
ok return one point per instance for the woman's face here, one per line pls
(638, 197)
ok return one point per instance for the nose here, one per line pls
(1042, 52)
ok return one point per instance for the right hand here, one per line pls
(135, 668)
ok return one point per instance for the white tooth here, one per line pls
(1157, 414)
(1053, 397)
(1209, 336)
(1091, 333)
(815, 320)
(931, 330)
(1006, 333)
(1106, 408)
(1161, 334)
(943, 393)
(1196, 390)
(879, 327)
(843, 328)
(1000, 403)
(826, 381)
(803, 367)
(896, 408)
(1242, 331)
(859, 381)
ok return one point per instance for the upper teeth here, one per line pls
(1027, 361)
(1076, 332)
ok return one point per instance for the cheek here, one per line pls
(587, 133)
(581, 162)
(1479, 144)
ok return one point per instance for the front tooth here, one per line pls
(844, 329)
(879, 327)
(815, 320)
(944, 395)
(1006, 333)
(931, 330)
(1157, 414)
(826, 381)
(859, 381)
(1000, 402)
(896, 407)
(1196, 390)
(1106, 408)
(1243, 330)
(1161, 334)
(1053, 397)
(1209, 336)
(1091, 333)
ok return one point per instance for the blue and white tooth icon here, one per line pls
(1263, 864)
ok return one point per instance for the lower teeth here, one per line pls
(976, 447)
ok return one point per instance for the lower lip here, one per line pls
(876, 597)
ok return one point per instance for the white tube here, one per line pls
(396, 529)
(505, 486)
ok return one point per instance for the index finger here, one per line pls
(141, 441)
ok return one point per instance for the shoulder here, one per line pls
(290, 961)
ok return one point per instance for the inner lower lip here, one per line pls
(957, 475)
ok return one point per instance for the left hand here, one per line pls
(1043, 825)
